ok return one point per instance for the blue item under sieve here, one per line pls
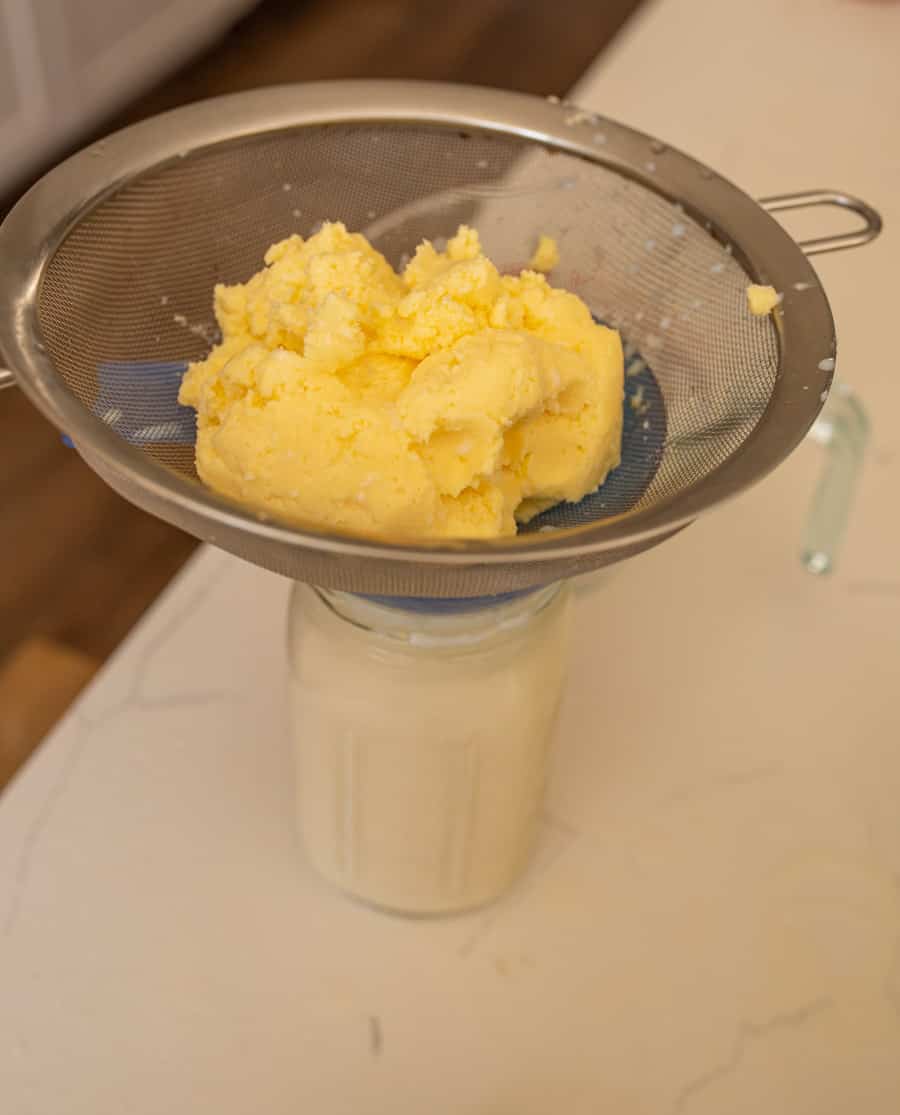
(153, 416)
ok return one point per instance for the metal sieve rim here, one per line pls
(40, 222)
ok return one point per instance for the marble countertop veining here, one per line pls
(712, 921)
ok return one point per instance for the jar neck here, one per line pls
(439, 623)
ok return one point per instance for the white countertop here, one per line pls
(712, 924)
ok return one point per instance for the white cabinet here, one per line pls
(64, 64)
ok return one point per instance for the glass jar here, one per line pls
(421, 731)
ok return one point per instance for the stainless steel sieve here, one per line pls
(110, 260)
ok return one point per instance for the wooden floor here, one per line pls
(78, 565)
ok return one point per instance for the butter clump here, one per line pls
(762, 299)
(447, 402)
(546, 255)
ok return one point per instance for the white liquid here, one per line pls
(422, 753)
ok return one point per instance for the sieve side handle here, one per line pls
(842, 430)
(7, 379)
(808, 199)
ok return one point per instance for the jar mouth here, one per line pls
(452, 606)
(434, 622)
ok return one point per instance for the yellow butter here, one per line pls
(446, 402)
(762, 299)
(546, 255)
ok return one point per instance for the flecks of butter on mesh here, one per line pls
(637, 400)
(762, 300)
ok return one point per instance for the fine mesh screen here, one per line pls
(126, 300)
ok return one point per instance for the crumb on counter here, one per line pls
(762, 299)
(546, 255)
